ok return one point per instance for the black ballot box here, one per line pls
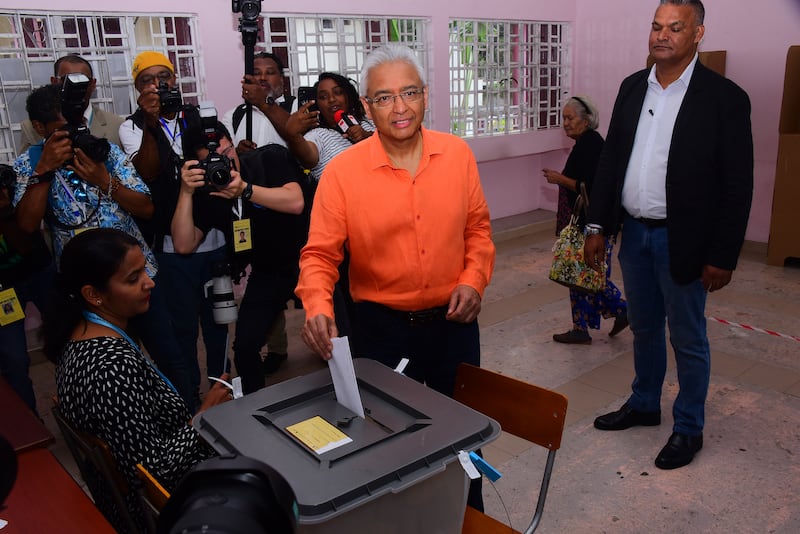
(394, 471)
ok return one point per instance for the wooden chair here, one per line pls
(99, 471)
(154, 495)
(530, 412)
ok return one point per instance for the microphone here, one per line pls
(344, 120)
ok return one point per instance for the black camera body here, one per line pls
(170, 98)
(73, 102)
(216, 166)
(250, 9)
(218, 171)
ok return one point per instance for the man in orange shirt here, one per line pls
(409, 206)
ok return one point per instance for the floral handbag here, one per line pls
(568, 267)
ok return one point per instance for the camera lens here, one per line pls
(251, 10)
(220, 177)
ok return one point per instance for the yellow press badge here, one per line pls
(242, 239)
(11, 308)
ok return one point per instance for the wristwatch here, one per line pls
(248, 191)
(592, 229)
(46, 176)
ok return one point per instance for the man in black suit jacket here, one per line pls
(676, 174)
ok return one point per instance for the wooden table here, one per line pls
(18, 424)
(45, 498)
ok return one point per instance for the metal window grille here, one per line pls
(31, 41)
(507, 76)
(311, 45)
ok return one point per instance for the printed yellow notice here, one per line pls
(318, 435)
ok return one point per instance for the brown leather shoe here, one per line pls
(679, 451)
(574, 337)
(627, 417)
(620, 324)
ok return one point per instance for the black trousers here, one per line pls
(264, 298)
(433, 345)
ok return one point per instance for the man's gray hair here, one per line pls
(585, 109)
(697, 5)
(388, 53)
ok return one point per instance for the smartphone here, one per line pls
(304, 94)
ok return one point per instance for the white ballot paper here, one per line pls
(344, 376)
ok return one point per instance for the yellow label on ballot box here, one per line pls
(318, 435)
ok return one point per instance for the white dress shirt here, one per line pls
(644, 191)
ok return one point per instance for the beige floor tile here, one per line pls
(770, 376)
(729, 365)
(793, 389)
(610, 378)
(585, 398)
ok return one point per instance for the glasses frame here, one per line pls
(384, 101)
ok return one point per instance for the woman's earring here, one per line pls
(98, 301)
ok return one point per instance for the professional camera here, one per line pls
(73, 102)
(230, 495)
(222, 299)
(217, 166)
(250, 9)
(170, 98)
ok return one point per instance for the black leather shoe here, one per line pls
(272, 362)
(627, 417)
(620, 324)
(679, 451)
(574, 337)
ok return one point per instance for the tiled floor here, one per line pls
(746, 479)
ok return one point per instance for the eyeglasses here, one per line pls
(147, 79)
(412, 95)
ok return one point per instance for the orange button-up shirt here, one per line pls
(411, 239)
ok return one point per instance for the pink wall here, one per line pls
(609, 46)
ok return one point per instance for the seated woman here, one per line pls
(106, 386)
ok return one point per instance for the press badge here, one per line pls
(241, 235)
(11, 308)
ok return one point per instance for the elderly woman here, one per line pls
(580, 120)
(106, 386)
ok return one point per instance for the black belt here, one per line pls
(426, 316)
(412, 318)
(650, 223)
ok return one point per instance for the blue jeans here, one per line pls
(182, 277)
(14, 359)
(653, 297)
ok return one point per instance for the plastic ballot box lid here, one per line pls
(336, 461)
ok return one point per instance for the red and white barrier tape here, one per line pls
(755, 329)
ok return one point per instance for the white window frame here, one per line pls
(507, 76)
(28, 56)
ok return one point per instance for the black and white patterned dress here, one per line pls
(108, 389)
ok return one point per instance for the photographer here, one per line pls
(100, 122)
(279, 225)
(155, 137)
(26, 274)
(60, 183)
(265, 92)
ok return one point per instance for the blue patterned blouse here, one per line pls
(74, 205)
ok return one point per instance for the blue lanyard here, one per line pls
(173, 135)
(96, 319)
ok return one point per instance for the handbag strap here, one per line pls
(582, 202)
